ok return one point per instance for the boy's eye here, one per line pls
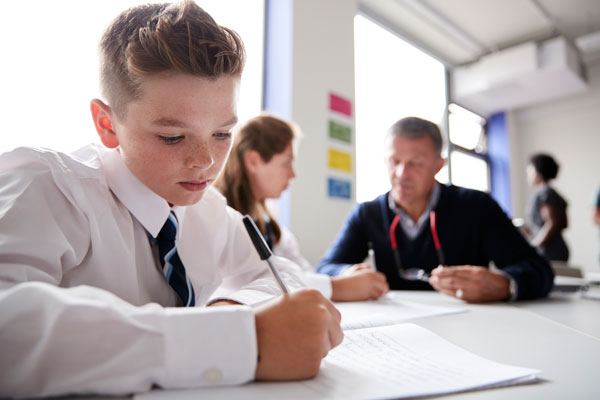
(170, 139)
(223, 135)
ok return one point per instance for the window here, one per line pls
(465, 128)
(469, 166)
(469, 171)
(50, 66)
(393, 80)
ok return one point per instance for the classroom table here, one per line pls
(559, 335)
(570, 310)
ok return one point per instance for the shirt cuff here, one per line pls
(513, 288)
(207, 347)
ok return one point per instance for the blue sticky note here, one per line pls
(339, 188)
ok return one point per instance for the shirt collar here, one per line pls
(147, 207)
(434, 197)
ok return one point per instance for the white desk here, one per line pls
(568, 309)
(531, 334)
(559, 335)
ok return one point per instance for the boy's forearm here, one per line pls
(86, 340)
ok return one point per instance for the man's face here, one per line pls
(177, 136)
(412, 165)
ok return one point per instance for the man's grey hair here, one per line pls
(416, 128)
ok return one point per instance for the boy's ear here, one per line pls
(252, 160)
(102, 117)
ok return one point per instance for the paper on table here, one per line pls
(406, 360)
(395, 361)
(388, 310)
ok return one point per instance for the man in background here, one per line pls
(426, 235)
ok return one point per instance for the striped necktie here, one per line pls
(171, 264)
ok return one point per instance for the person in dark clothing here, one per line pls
(547, 209)
(426, 235)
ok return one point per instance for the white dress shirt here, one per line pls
(83, 302)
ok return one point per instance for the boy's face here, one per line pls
(177, 136)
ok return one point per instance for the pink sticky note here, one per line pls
(340, 104)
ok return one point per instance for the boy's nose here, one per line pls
(199, 157)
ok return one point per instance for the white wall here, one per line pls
(323, 62)
(569, 129)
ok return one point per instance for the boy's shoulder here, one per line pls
(43, 172)
(85, 162)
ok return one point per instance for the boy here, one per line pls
(93, 244)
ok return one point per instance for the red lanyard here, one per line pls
(434, 234)
(436, 239)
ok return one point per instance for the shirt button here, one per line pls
(212, 376)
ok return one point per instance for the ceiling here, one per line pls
(459, 32)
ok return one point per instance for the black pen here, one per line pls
(263, 250)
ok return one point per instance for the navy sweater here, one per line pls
(472, 228)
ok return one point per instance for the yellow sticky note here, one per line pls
(340, 160)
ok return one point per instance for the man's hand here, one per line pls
(294, 333)
(361, 284)
(478, 284)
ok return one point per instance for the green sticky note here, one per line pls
(340, 132)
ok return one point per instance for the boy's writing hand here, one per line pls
(362, 284)
(294, 333)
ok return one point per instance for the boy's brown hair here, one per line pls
(154, 38)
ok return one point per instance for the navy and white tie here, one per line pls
(171, 264)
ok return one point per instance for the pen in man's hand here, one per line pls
(263, 250)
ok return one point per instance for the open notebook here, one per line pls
(380, 360)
